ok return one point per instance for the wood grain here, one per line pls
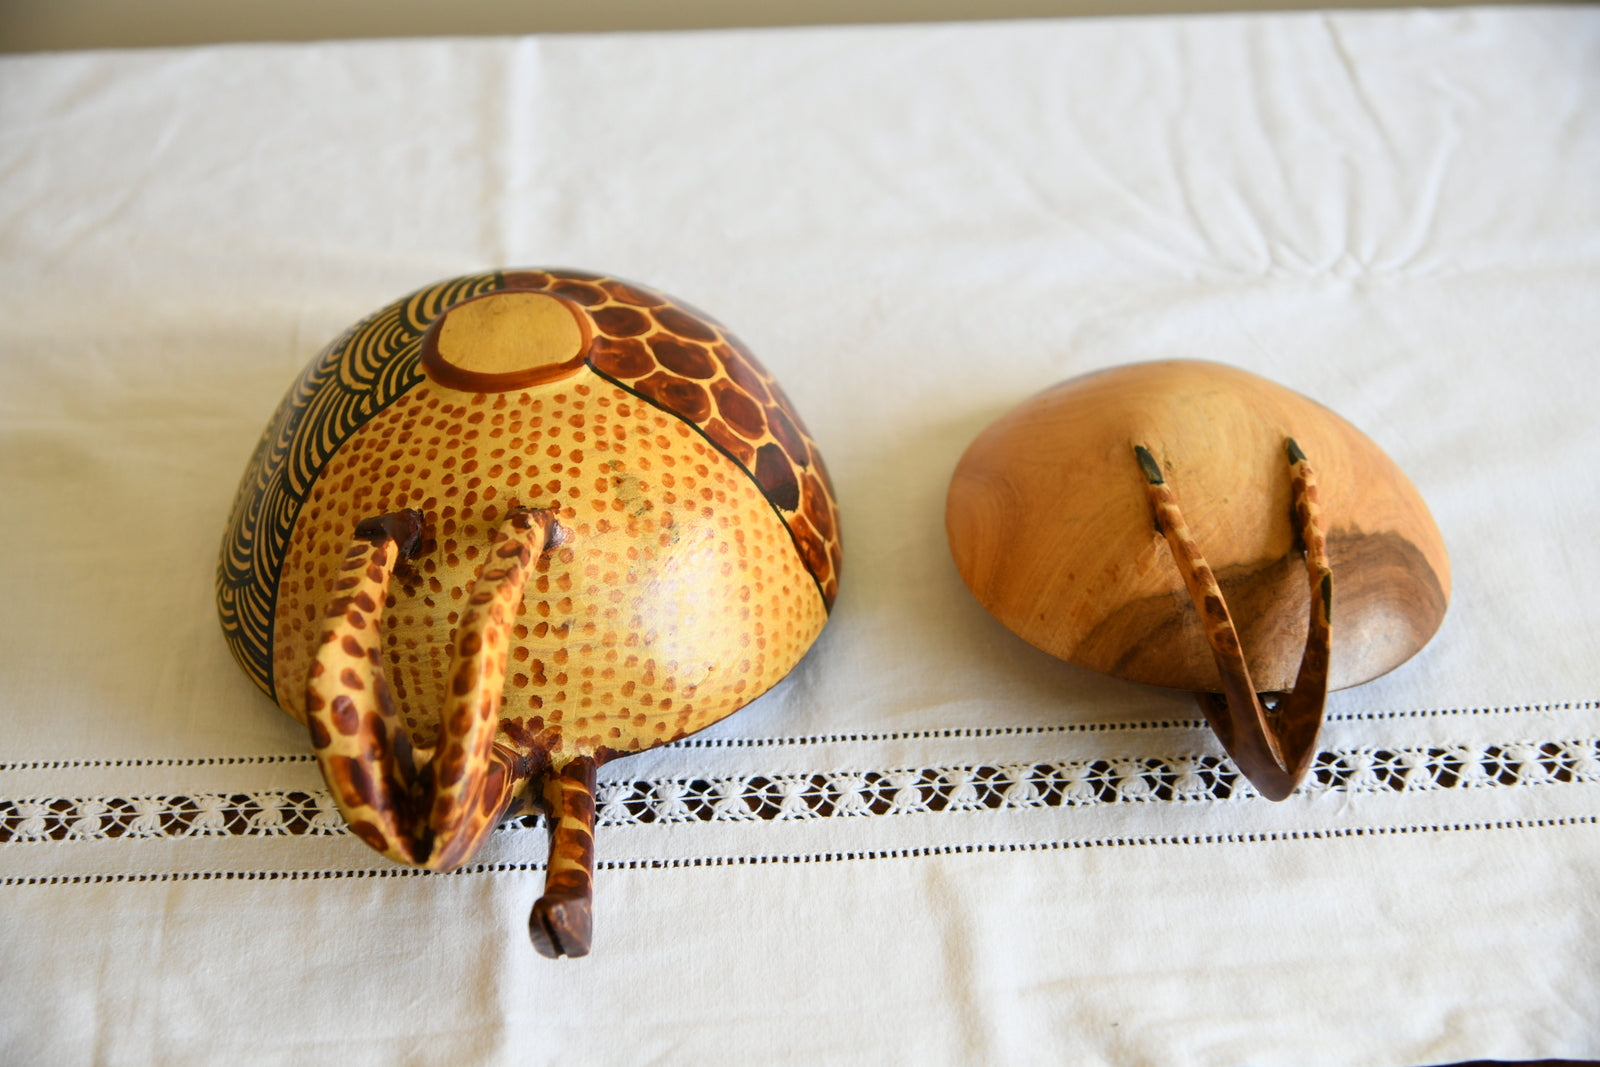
(1050, 528)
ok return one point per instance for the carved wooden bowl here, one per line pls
(510, 527)
(1079, 520)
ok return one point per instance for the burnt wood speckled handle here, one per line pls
(563, 917)
(1272, 737)
(429, 808)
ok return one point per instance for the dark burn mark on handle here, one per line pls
(1147, 463)
(562, 919)
(404, 528)
(562, 926)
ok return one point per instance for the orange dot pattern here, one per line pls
(737, 407)
(683, 361)
(676, 598)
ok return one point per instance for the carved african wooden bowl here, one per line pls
(508, 528)
(1079, 519)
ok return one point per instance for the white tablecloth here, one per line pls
(932, 843)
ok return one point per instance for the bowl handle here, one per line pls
(1272, 737)
(561, 920)
(428, 808)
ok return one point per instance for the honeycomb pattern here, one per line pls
(684, 361)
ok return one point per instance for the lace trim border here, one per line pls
(814, 857)
(948, 733)
(779, 797)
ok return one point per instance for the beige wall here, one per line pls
(35, 25)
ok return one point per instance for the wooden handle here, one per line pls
(563, 918)
(429, 808)
(1273, 740)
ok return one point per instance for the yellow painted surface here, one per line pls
(509, 332)
(677, 598)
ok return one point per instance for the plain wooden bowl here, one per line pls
(1052, 525)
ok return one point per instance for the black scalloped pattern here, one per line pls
(359, 374)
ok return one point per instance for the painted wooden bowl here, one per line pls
(508, 528)
(1079, 519)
